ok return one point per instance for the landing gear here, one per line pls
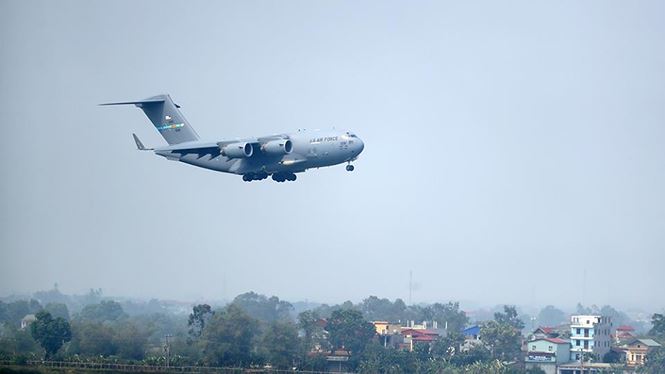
(281, 177)
(254, 176)
(349, 167)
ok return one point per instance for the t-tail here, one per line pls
(164, 114)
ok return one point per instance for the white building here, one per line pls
(590, 334)
(27, 320)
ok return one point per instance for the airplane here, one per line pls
(280, 156)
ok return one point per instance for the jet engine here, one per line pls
(277, 147)
(238, 150)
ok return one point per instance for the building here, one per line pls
(27, 320)
(338, 361)
(590, 335)
(636, 351)
(553, 350)
(585, 368)
(412, 337)
(390, 334)
(547, 354)
(471, 337)
(624, 334)
(387, 328)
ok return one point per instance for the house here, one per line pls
(413, 337)
(547, 354)
(387, 328)
(543, 332)
(589, 334)
(471, 337)
(27, 320)
(624, 334)
(471, 332)
(338, 361)
(390, 334)
(636, 351)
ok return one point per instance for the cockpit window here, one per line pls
(352, 135)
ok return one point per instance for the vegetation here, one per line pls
(256, 331)
(51, 333)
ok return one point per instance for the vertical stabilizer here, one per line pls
(164, 114)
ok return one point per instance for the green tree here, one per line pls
(448, 315)
(477, 353)
(348, 329)
(502, 338)
(4, 313)
(92, 339)
(375, 309)
(130, 341)
(228, 336)
(313, 333)
(15, 311)
(198, 318)
(551, 316)
(58, 310)
(263, 308)
(279, 344)
(509, 317)
(655, 362)
(658, 325)
(51, 333)
(104, 311)
(448, 346)
(378, 359)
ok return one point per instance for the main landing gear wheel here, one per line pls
(349, 167)
(281, 177)
(254, 176)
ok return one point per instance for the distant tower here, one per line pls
(410, 287)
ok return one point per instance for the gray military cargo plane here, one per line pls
(280, 156)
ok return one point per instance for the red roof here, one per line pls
(625, 328)
(553, 340)
(557, 340)
(423, 338)
(546, 330)
(418, 332)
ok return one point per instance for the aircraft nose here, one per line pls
(360, 146)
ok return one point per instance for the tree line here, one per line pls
(259, 331)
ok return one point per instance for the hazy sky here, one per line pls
(510, 148)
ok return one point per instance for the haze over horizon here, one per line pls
(513, 151)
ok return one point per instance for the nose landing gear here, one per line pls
(349, 167)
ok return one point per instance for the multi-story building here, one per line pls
(547, 354)
(590, 334)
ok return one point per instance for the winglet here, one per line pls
(139, 144)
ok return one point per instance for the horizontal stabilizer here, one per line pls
(139, 144)
(146, 101)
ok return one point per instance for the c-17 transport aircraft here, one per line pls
(281, 155)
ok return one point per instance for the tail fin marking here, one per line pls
(167, 119)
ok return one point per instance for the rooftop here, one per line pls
(552, 340)
(648, 342)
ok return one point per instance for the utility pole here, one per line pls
(167, 349)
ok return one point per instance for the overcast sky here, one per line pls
(510, 148)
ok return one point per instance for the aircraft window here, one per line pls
(352, 135)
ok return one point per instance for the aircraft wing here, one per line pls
(214, 148)
(199, 149)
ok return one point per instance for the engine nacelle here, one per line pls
(238, 150)
(277, 147)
